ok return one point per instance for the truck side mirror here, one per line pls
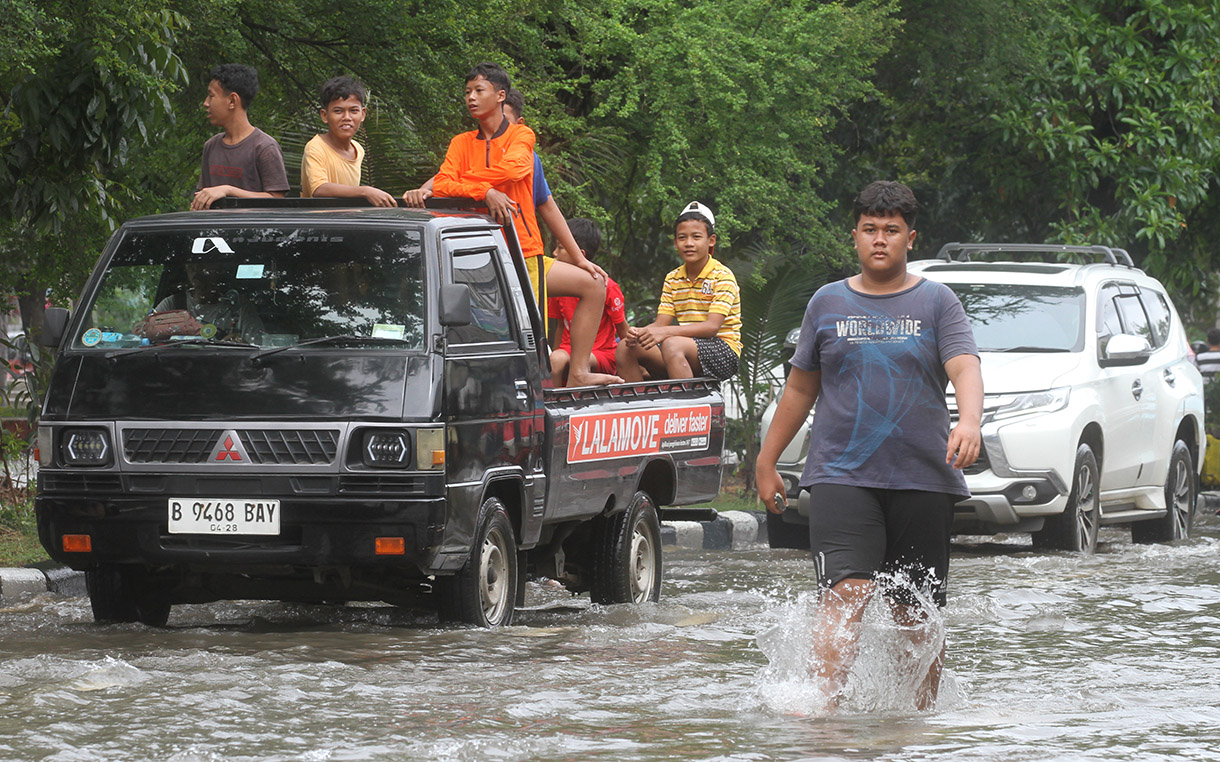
(455, 304)
(54, 324)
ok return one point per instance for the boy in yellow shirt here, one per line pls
(331, 165)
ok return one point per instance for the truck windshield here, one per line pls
(265, 287)
(1024, 318)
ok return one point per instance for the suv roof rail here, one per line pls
(961, 251)
(235, 202)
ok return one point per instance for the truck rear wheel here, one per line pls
(119, 594)
(627, 555)
(484, 592)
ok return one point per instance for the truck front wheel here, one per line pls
(484, 592)
(627, 556)
(120, 594)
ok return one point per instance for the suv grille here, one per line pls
(264, 446)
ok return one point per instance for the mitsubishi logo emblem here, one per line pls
(229, 449)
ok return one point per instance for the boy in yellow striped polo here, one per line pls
(698, 327)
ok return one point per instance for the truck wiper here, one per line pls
(345, 338)
(193, 341)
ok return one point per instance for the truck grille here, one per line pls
(264, 446)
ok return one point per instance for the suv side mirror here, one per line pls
(1124, 349)
(54, 324)
(455, 304)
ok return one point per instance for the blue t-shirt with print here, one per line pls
(880, 419)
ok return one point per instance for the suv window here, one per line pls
(1013, 317)
(261, 286)
(1157, 307)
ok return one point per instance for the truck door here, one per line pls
(490, 376)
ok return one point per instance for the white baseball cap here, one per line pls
(695, 207)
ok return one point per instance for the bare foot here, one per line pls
(592, 379)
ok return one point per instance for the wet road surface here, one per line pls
(1051, 656)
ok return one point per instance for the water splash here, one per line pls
(892, 659)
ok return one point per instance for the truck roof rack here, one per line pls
(235, 202)
(960, 252)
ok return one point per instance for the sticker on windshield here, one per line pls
(207, 330)
(91, 337)
(249, 271)
(208, 244)
(388, 331)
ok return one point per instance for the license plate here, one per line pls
(191, 515)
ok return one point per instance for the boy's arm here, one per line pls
(375, 196)
(206, 197)
(800, 392)
(417, 197)
(965, 439)
(554, 220)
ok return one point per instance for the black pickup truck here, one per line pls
(301, 402)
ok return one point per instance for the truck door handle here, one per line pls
(522, 389)
(1137, 389)
(1170, 378)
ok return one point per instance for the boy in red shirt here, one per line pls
(495, 164)
(561, 308)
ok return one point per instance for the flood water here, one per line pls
(1051, 656)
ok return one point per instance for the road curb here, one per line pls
(31, 580)
(730, 530)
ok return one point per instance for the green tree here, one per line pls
(91, 88)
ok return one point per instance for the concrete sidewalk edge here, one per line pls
(733, 530)
(40, 578)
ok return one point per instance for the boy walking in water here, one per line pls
(698, 327)
(495, 164)
(884, 468)
(614, 319)
(243, 160)
(332, 161)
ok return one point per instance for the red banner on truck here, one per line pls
(604, 436)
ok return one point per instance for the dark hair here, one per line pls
(588, 236)
(883, 198)
(338, 88)
(516, 101)
(1213, 336)
(493, 73)
(711, 231)
(237, 78)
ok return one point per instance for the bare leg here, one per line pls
(559, 366)
(914, 620)
(632, 359)
(836, 633)
(681, 357)
(564, 279)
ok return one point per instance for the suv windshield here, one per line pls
(1022, 318)
(266, 287)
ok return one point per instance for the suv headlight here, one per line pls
(1012, 405)
(85, 447)
(386, 448)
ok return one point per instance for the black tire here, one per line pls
(119, 594)
(484, 592)
(786, 535)
(627, 555)
(1181, 492)
(1076, 528)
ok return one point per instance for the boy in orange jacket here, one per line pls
(495, 164)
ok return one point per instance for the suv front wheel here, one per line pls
(1076, 528)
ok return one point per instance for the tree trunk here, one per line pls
(32, 302)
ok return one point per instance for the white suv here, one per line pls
(1092, 414)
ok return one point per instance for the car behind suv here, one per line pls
(1093, 414)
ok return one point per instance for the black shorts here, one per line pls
(858, 532)
(717, 358)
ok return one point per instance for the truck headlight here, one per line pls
(85, 447)
(1013, 405)
(386, 448)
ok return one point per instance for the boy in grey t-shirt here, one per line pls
(884, 469)
(243, 160)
